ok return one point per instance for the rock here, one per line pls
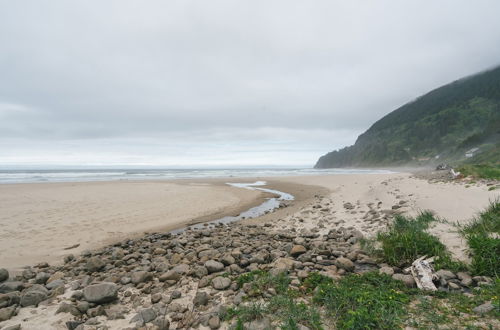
(214, 266)
(348, 206)
(145, 315)
(445, 274)
(386, 270)
(100, 293)
(297, 250)
(201, 298)
(68, 308)
(94, 264)
(115, 312)
(4, 275)
(9, 299)
(54, 284)
(465, 278)
(406, 279)
(156, 297)
(181, 269)
(83, 306)
(228, 259)
(73, 325)
(56, 276)
(221, 283)
(281, 265)
(344, 263)
(140, 277)
(34, 295)
(42, 278)
(171, 275)
(259, 324)
(7, 313)
(214, 322)
(484, 308)
(162, 323)
(453, 286)
(7, 287)
(28, 274)
(200, 271)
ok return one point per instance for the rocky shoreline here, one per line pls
(190, 279)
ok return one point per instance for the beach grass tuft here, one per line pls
(483, 239)
(406, 240)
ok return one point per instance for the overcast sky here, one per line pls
(222, 83)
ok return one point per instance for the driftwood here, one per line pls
(423, 273)
(454, 174)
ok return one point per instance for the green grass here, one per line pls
(481, 171)
(406, 240)
(283, 307)
(368, 301)
(484, 246)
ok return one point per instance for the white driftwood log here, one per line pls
(423, 273)
(454, 174)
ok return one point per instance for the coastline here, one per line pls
(165, 275)
(95, 216)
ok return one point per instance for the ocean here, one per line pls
(88, 175)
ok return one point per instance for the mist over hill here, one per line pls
(456, 122)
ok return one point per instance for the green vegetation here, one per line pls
(406, 240)
(376, 301)
(483, 238)
(481, 171)
(447, 121)
(368, 301)
(453, 310)
(284, 306)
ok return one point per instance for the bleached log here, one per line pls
(423, 273)
(454, 174)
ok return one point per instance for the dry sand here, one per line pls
(38, 221)
(454, 202)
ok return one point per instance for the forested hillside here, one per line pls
(442, 125)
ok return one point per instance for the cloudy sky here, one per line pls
(221, 83)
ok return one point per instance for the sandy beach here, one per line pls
(49, 220)
(41, 221)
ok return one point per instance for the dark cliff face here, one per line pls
(440, 125)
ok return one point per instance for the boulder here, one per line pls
(484, 308)
(4, 275)
(171, 275)
(140, 277)
(101, 293)
(7, 287)
(445, 274)
(221, 283)
(406, 279)
(297, 250)
(7, 313)
(344, 263)
(201, 298)
(94, 264)
(214, 266)
(34, 295)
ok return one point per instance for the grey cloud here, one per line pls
(136, 70)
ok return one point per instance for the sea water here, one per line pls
(88, 175)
